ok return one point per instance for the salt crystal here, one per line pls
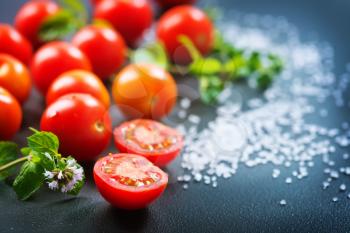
(342, 187)
(283, 202)
(289, 180)
(275, 173)
(335, 199)
(194, 119)
(185, 103)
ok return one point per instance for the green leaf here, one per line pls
(264, 80)
(210, 88)
(206, 66)
(25, 151)
(8, 152)
(76, 8)
(191, 48)
(57, 26)
(153, 54)
(29, 180)
(43, 142)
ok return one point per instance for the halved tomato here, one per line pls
(160, 144)
(129, 181)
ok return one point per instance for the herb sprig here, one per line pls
(41, 163)
(226, 64)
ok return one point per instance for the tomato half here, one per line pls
(53, 59)
(160, 144)
(14, 44)
(104, 47)
(10, 115)
(82, 124)
(188, 21)
(14, 76)
(129, 181)
(166, 4)
(30, 17)
(144, 91)
(130, 18)
(78, 81)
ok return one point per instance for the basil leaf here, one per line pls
(210, 88)
(8, 152)
(43, 142)
(207, 66)
(57, 26)
(153, 54)
(29, 180)
(76, 8)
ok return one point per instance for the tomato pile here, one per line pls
(73, 75)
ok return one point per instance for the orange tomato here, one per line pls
(144, 91)
(14, 77)
(10, 115)
(78, 81)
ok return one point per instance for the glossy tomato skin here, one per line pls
(171, 141)
(144, 91)
(78, 81)
(104, 47)
(82, 124)
(128, 197)
(14, 44)
(188, 21)
(130, 18)
(166, 4)
(10, 115)
(14, 76)
(30, 17)
(53, 59)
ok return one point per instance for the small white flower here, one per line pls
(64, 189)
(53, 185)
(78, 174)
(48, 174)
(60, 175)
(48, 155)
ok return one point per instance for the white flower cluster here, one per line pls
(65, 179)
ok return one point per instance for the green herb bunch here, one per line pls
(41, 164)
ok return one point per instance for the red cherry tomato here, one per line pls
(13, 43)
(129, 181)
(166, 4)
(160, 144)
(131, 18)
(78, 81)
(82, 124)
(14, 77)
(10, 115)
(188, 21)
(144, 91)
(104, 47)
(30, 17)
(95, 2)
(53, 59)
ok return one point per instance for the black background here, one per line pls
(248, 202)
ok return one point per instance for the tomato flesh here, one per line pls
(158, 143)
(129, 181)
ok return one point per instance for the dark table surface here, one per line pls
(248, 202)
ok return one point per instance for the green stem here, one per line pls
(13, 163)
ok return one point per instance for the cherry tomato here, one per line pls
(53, 59)
(104, 47)
(13, 43)
(78, 81)
(131, 18)
(95, 2)
(144, 91)
(188, 21)
(129, 181)
(166, 4)
(30, 17)
(10, 115)
(14, 77)
(160, 144)
(82, 124)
